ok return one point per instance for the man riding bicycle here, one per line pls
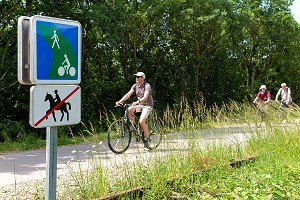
(285, 93)
(144, 103)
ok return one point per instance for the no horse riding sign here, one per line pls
(55, 105)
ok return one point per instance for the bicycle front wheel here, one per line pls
(118, 137)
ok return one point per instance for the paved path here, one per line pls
(30, 165)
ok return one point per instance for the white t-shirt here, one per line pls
(284, 93)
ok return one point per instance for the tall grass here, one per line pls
(86, 182)
(195, 169)
(198, 115)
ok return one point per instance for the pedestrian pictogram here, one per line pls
(56, 39)
(62, 103)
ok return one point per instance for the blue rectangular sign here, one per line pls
(55, 50)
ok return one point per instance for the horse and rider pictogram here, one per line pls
(54, 102)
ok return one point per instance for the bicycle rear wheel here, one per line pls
(118, 137)
(155, 135)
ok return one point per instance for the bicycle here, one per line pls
(121, 131)
(261, 109)
(286, 112)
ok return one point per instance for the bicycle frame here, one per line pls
(136, 128)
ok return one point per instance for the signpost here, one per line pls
(49, 56)
(51, 163)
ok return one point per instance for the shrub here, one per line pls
(11, 130)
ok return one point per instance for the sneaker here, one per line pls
(147, 142)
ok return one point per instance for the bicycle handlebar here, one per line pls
(123, 105)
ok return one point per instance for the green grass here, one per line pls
(202, 171)
(30, 143)
(275, 173)
(89, 133)
(205, 173)
(27, 143)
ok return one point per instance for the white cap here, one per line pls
(140, 74)
(262, 87)
(283, 84)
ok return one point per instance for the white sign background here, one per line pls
(39, 107)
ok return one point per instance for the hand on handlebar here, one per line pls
(135, 103)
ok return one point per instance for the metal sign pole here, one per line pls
(51, 163)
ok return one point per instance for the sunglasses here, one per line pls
(138, 76)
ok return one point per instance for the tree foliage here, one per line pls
(212, 49)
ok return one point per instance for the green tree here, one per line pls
(262, 37)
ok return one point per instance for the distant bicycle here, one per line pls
(287, 112)
(261, 109)
(121, 131)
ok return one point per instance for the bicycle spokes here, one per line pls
(119, 137)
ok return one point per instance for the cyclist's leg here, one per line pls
(290, 110)
(281, 111)
(154, 133)
(145, 113)
(288, 103)
(132, 110)
(264, 108)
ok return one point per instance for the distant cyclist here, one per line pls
(144, 101)
(263, 94)
(262, 101)
(285, 93)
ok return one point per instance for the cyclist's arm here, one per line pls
(288, 95)
(125, 97)
(256, 98)
(141, 100)
(144, 98)
(277, 95)
(268, 97)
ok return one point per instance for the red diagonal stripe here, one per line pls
(54, 108)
